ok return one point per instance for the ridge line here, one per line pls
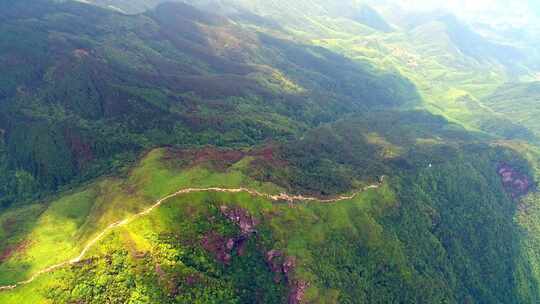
(274, 197)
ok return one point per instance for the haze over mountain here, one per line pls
(254, 151)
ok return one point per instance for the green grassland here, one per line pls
(59, 233)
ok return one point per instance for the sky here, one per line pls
(535, 5)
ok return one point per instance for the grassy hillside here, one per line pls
(519, 102)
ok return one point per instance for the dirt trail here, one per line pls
(277, 197)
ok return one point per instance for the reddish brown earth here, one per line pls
(220, 246)
(193, 157)
(268, 154)
(13, 249)
(516, 183)
(81, 150)
(223, 158)
(213, 154)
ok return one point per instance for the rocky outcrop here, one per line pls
(241, 218)
(274, 260)
(298, 291)
(283, 267)
(515, 183)
(221, 247)
(288, 266)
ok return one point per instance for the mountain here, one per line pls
(103, 86)
(449, 58)
(233, 151)
(519, 102)
(397, 240)
(372, 18)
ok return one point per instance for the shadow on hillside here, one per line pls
(319, 70)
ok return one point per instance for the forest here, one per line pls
(242, 151)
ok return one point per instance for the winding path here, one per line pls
(278, 197)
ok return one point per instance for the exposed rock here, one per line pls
(168, 282)
(280, 265)
(284, 267)
(160, 272)
(222, 247)
(298, 291)
(273, 259)
(524, 208)
(219, 246)
(272, 255)
(241, 218)
(288, 266)
(515, 183)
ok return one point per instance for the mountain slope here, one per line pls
(519, 102)
(372, 18)
(259, 152)
(99, 87)
(397, 241)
